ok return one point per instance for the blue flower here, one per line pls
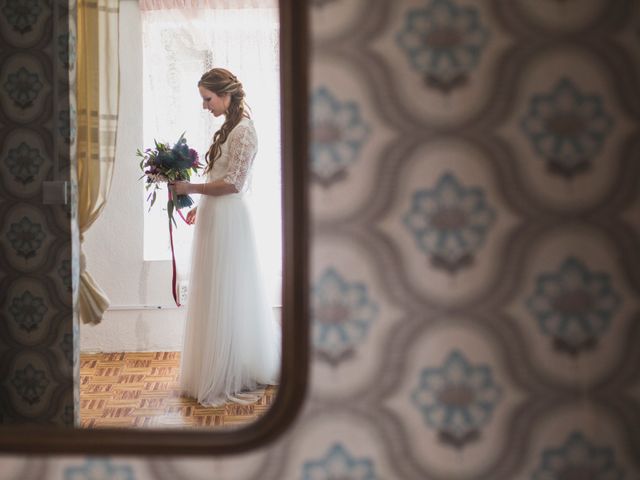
(338, 464)
(578, 459)
(449, 222)
(338, 133)
(28, 311)
(26, 237)
(23, 87)
(574, 306)
(22, 14)
(342, 315)
(24, 163)
(457, 399)
(567, 128)
(99, 469)
(444, 42)
(30, 384)
(65, 273)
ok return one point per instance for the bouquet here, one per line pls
(166, 164)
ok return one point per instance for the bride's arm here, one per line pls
(215, 188)
(243, 145)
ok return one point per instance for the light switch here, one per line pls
(55, 192)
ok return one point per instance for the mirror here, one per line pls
(135, 333)
(146, 364)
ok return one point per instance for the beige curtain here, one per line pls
(97, 115)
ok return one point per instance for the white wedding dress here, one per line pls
(232, 343)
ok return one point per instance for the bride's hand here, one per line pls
(191, 216)
(181, 187)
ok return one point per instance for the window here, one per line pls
(178, 46)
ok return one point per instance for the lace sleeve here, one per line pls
(243, 145)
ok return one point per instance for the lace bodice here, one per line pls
(236, 156)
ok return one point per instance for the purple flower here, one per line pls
(165, 163)
(193, 155)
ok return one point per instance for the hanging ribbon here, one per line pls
(174, 283)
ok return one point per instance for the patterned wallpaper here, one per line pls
(476, 270)
(36, 332)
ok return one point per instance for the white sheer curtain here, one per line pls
(181, 40)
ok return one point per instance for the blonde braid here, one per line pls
(221, 82)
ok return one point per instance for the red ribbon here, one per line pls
(182, 216)
(174, 283)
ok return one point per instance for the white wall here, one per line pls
(114, 243)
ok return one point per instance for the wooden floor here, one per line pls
(141, 390)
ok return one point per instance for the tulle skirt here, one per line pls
(232, 343)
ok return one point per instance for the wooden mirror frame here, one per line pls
(294, 60)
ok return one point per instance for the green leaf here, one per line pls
(170, 208)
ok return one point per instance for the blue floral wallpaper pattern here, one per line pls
(26, 237)
(443, 41)
(567, 127)
(24, 163)
(342, 314)
(449, 222)
(574, 306)
(580, 459)
(338, 133)
(23, 87)
(457, 399)
(27, 311)
(37, 383)
(30, 383)
(98, 468)
(22, 14)
(338, 464)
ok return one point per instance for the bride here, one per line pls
(231, 341)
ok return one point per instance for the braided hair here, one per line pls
(221, 81)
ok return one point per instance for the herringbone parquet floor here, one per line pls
(141, 390)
